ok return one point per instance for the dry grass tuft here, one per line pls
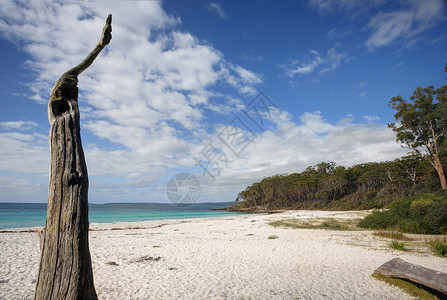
(318, 223)
(407, 287)
(393, 234)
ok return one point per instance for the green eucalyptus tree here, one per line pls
(421, 125)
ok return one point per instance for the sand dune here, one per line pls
(228, 258)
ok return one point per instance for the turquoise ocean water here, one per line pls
(20, 215)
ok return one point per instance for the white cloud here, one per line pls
(148, 96)
(404, 24)
(389, 26)
(331, 61)
(352, 7)
(247, 76)
(26, 153)
(252, 57)
(291, 147)
(217, 9)
(305, 68)
(334, 59)
(17, 125)
(371, 118)
(284, 147)
(150, 73)
(330, 5)
(240, 78)
(23, 187)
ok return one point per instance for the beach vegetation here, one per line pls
(326, 186)
(408, 287)
(439, 247)
(398, 245)
(273, 237)
(317, 223)
(424, 213)
(392, 234)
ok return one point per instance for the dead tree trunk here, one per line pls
(65, 270)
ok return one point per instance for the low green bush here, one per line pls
(436, 217)
(379, 219)
(423, 213)
(421, 204)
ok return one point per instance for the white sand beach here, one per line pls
(222, 258)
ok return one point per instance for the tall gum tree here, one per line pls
(421, 125)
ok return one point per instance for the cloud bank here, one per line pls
(153, 100)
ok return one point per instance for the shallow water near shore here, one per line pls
(21, 215)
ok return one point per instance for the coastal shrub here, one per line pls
(423, 213)
(379, 219)
(436, 217)
(421, 204)
(273, 237)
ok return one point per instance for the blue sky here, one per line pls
(178, 87)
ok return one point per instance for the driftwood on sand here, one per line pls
(401, 269)
(65, 270)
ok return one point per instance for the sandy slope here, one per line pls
(228, 258)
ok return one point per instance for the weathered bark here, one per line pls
(438, 166)
(399, 268)
(65, 270)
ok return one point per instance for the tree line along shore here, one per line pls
(413, 187)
